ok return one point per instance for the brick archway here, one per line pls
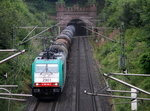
(66, 14)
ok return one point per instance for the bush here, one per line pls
(145, 62)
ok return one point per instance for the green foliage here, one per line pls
(136, 16)
(60, 1)
(145, 62)
(41, 6)
(15, 13)
(91, 1)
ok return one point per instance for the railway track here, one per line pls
(86, 48)
(46, 106)
(37, 105)
(78, 77)
(81, 75)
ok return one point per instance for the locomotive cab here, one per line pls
(47, 77)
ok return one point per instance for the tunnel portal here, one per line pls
(79, 25)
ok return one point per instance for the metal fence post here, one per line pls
(134, 99)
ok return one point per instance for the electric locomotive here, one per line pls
(49, 68)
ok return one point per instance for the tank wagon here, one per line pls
(49, 68)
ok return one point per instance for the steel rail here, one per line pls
(89, 75)
(31, 104)
(54, 106)
(78, 77)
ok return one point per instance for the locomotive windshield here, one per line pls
(40, 68)
(52, 68)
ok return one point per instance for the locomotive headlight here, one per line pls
(37, 84)
(56, 84)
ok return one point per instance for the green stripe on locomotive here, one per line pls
(42, 61)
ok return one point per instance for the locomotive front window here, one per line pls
(40, 68)
(53, 68)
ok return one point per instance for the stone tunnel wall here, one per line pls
(86, 14)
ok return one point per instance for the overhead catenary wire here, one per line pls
(29, 33)
(101, 35)
(40, 33)
(36, 35)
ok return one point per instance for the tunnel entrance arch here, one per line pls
(77, 16)
(79, 25)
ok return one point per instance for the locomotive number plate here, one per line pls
(46, 80)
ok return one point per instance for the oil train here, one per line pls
(49, 68)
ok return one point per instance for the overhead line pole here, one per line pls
(114, 96)
(122, 74)
(14, 99)
(11, 94)
(122, 44)
(9, 86)
(121, 91)
(127, 84)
